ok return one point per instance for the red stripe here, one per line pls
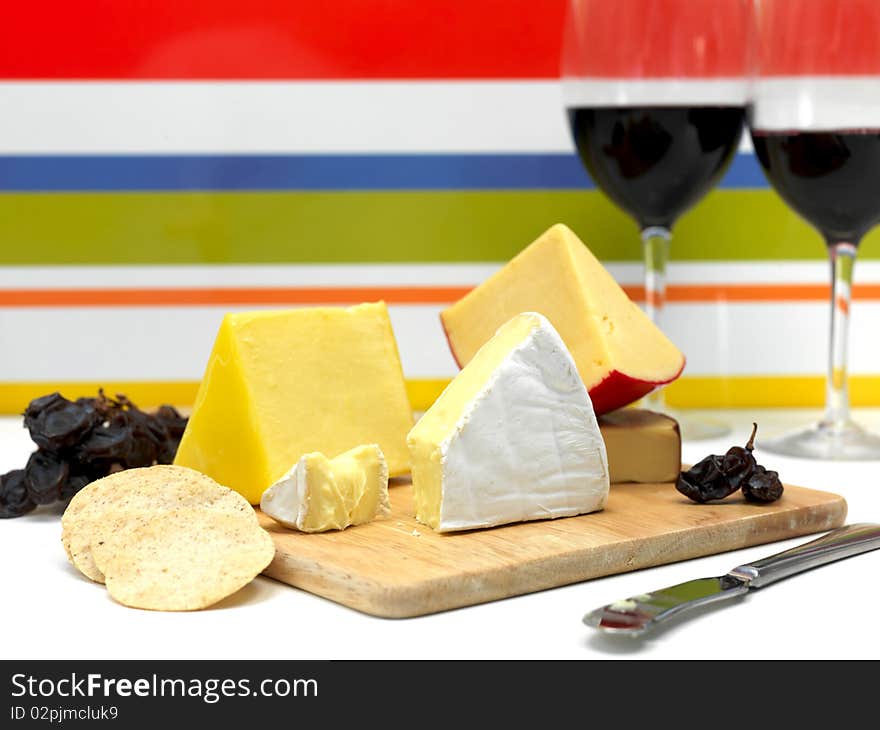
(281, 39)
(658, 39)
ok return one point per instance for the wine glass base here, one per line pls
(697, 428)
(834, 441)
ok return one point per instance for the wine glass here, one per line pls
(815, 124)
(656, 93)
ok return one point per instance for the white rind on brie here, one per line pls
(283, 501)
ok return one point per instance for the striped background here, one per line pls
(162, 163)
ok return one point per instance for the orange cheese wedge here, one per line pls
(620, 354)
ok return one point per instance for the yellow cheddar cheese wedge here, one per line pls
(320, 494)
(283, 383)
(620, 354)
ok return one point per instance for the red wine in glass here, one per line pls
(831, 178)
(656, 162)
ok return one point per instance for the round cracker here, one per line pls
(183, 560)
(134, 496)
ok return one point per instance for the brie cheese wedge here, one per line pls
(512, 438)
(320, 494)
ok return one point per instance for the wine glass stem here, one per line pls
(843, 257)
(655, 247)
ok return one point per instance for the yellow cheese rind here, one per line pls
(283, 383)
(558, 276)
(642, 446)
(425, 439)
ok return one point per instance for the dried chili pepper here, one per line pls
(739, 462)
(763, 486)
(717, 477)
(705, 480)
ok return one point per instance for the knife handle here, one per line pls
(836, 545)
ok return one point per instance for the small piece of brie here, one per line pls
(320, 494)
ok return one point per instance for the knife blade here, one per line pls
(638, 614)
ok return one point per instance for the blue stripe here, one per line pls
(112, 173)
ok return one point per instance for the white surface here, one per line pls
(63, 615)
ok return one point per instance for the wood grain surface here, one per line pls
(398, 568)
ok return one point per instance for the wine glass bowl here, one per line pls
(815, 126)
(656, 162)
(830, 178)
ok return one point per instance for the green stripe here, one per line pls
(183, 228)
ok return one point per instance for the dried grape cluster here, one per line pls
(717, 477)
(83, 440)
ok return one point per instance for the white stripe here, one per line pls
(761, 273)
(769, 339)
(766, 272)
(368, 275)
(816, 103)
(244, 275)
(267, 117)
(154, 344)
(282, 117)
(655, 92)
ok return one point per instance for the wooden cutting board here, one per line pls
(398, 568)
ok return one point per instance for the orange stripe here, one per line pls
(197, 297)
(284, 296)
(649, 296)
(687, 293)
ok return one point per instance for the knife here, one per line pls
(636, 615)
